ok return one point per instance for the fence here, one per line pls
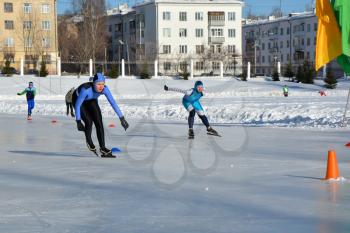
(161, 67)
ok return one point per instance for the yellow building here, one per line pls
(28, 31)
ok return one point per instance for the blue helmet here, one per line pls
(198, 83)
(98, 78)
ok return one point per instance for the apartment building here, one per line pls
(289, 39)
(174, 32)
(28, 30)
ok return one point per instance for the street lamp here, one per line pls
(127, 52)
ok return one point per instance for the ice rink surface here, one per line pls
(253, 179)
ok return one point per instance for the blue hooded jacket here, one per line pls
(88, 92)
(195, 95)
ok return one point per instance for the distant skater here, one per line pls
(30, 92)
(285, 90)
(191, 102)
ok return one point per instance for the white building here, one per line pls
(289, 39)
(174, 32)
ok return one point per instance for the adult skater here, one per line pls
(30, 92)
(191, 102)
(87, 109)
(69, 102)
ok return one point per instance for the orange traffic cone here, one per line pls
(111, 125)
(347, 144)
(332, 166)
(54, 121)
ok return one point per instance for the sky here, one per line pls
(259, 7)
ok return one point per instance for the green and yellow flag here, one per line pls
(329, 42)
(342, 14)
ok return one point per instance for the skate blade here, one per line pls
(217, 135)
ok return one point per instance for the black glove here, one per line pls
(80, 126)
(124, 123)
(166, 88)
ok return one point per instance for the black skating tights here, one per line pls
(91, 113)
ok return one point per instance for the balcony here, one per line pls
(216, 40)
(216, 23)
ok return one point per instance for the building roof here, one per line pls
(271, 19)
(191, 2)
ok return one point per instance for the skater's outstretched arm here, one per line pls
(186, 92)
(23, 92)
(115, 106)
(111, 100)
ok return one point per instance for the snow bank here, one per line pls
(226, 100)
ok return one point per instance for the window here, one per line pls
(288, 43)
(231, 49)
(281, 31)
(183, 16)
(27, 25)
(308, 41)
(183, 66)
(288, 31)
(199, 32)
(166, 15)
(231, 16)
(166, 32)
(167, 65)
(199, 49)
(9, 24)
(281, 44)
(166, 49)
(232, 33)
(183, 32)
(199, 16)
(45, 25)
(119, 27)
(183, 48)
(215, 65)
(45, 8)
(46, 42)
(218, 48)
(216, 32)
(288, 57)
(27, 8)
(263, 59)
(28, 42)
(132, 25)
(263, 46)
(9, 42)
(308, 27)
(8, 7)
(315, 27)
(46, 58)
(281, 57)
(199, 65)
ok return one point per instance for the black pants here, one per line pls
(91, 113)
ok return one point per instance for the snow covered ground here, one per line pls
(253, 179)
(257, 102)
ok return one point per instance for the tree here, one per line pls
(309, 72)
(275, 75)
(7, 69)
(184, 70)
(43, 71)
(330, 80)
(276, 11)
(300, 74)
(289, 72)
(114, 71)
(91, 30)
(144, 73)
